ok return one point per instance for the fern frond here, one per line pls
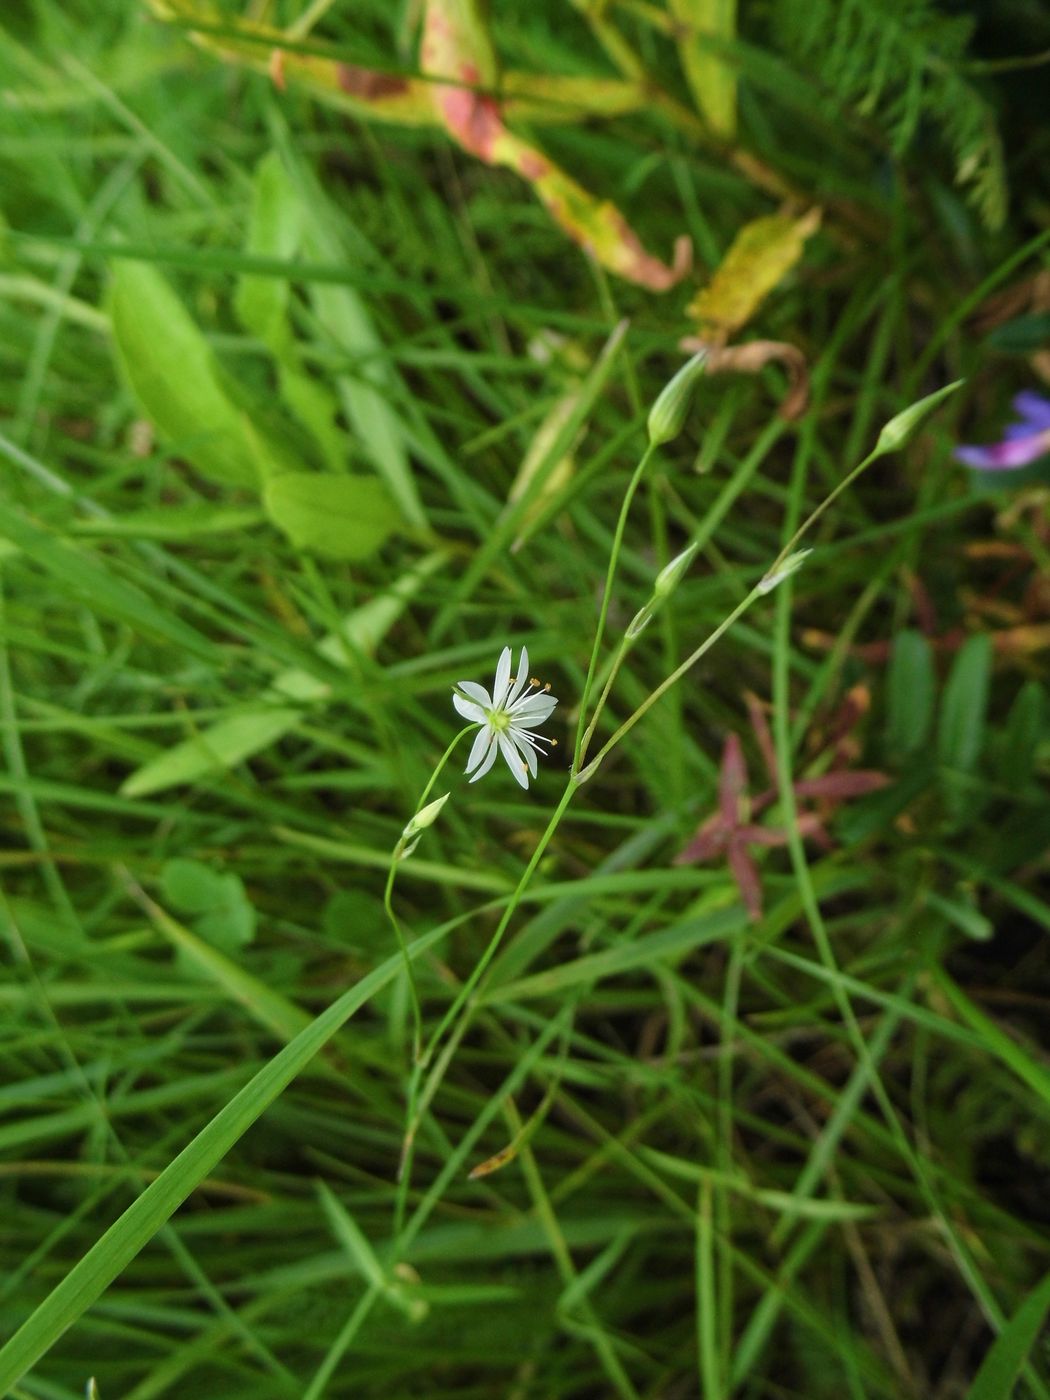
(899, 63)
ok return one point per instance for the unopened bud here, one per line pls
(789, 566)
(425, 817)
(668, 414)
(667, 580)
(670, 576)
(900, 428)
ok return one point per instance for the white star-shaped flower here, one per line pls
(506, 717)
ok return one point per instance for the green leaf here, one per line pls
(960, 734)
(340, 517)
(170, 368)
(190, 885)
(275, 231)
(174, 522)
(261, 303)
(220, 746)
(911, 685)
(1026, 727)
(1007, 1354)
(365, 390)
(110, 1255)
(1021, 336)
(711, 76)
(225, 917)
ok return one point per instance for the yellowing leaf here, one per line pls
(763, 252)
(711, 78)
(456, 49)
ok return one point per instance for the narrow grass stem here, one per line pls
(665, 685)
(396, 856)
(610, 574)
(614, 671)
(478, 970)
(815, 515)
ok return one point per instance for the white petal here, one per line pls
(514, 760)
(536, 700)
(529, 722)
(521, 679)
(533, 707)
(468, 709)
(499, 685)
(490, 757)
(476, 692)
(526, 747)
(482, 739)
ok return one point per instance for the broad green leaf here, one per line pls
(190, 885)
(711, 78)
(911, 686)
(340, 517)
(960, 733)
(1026, 727)
(111, 1254)
(275, 231)
(1007, 1354)
(170, 368)
(368, 387)
(220, 746)
(761, 254)
(223, 914)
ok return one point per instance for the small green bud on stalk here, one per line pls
(425, 817)
(790, 565)
(900, 428)
(667, 580)
(668, 414)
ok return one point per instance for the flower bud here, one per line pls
(900, 428)
(670, 576)
(665, 583)
(792, 563)
(667, 415)
(425, 817)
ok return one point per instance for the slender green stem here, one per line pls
(666, 684)
(812, 519)
(614, 671)
(610, 574)
(396, 856)
(419, 1101)
(478, 970)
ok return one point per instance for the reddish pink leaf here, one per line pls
(745, 873)
(841, 785)
(709, 840)
(732, 785)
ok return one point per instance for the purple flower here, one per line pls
(1022, 442)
